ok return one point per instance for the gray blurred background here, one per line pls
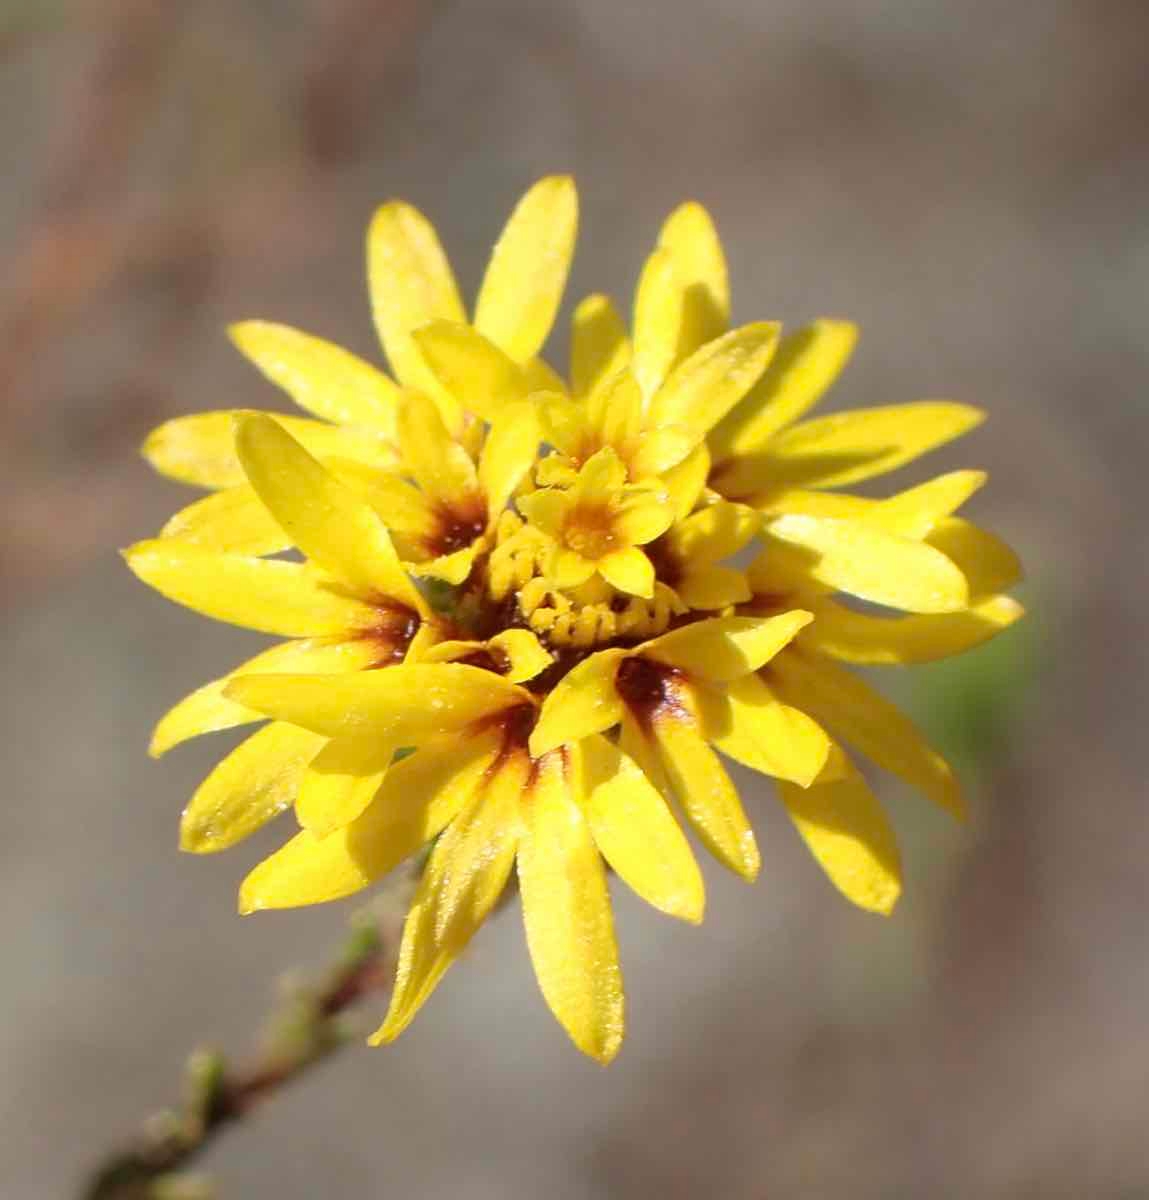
(968, 180)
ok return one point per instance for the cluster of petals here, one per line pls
(528, 616)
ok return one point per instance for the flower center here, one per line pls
(590, 531)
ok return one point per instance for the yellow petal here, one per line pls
(411, 283)
(525, 278)
(323, 378)
(439, 464)
(913, 513)
(846, 830)
(583, 702)
(629, 570)
(847, 447)
(806, 363)
(567, 915)
(599, 345)
(692, 242)
(200, 448)
(862, 560)
(712, 588)
(713, 533)
(867, 640)
(419, 797)
(567, 569)
(208, 710)
(525, 654)
(703, 389)
(255, 782)
(449, 696)
(658, 322)
(636, 832)
(614, 410)
(324, 517)
(461, 883)
(750, 724)
(266, 595)
(341, 782)
(546, 509)
(641, 520)
(232, 521)
(508, 455)
(684, 482)
(474, 371)
(450, 568)
(987, 563)
(689, 771)
(661, 450)
(723, 648)
(854, 712)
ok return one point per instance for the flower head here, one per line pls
(519, 630)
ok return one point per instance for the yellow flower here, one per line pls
(521, 637)
(598, 524)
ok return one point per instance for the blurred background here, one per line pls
(966, 180)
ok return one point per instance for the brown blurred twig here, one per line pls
(308, 1028)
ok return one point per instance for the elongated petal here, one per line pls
(853, 711)
(600, 347)
(846, 830)
(324, 517)
(270, 596)
(867, 640)
(208, 710)
(508, 454)
(341, 781)
(723, 648)
(848, 447)
(685, 481)
(636, 832)
(419, 797)
(629, 570)
(473, 370)
(987, 563)
(713, 533)
(658, 322)
(567, 915)
(913, 513)
(864, 561)
(253, 784)
(749, 723)
(703, 389)
(806, 363)
(699, 783)
(200, 448)
(440, 465)
(323, 378)
(411, 283)
(461, 883)
(691, 240)
(525, 278)
(231, 521)
(583, 702)
(712, 588)
(450, 696)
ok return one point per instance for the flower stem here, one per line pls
(306, 1028)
